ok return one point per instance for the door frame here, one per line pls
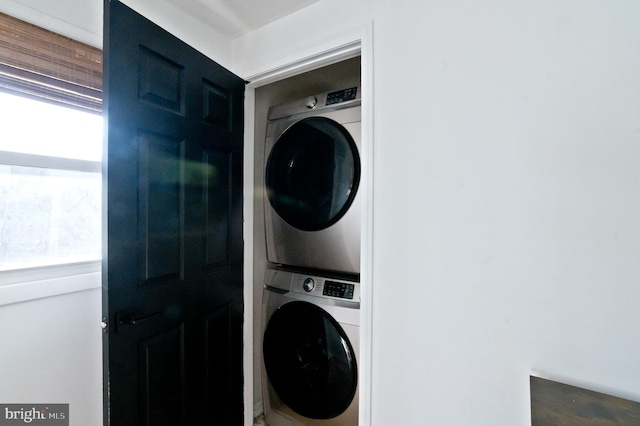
(358, 42)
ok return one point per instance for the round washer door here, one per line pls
(310, 361)
(312, 173)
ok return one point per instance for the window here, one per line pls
(50, 184)
(50, 148)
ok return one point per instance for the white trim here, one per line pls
(44, 272)
(46, 162)
(247, 327)
(345, 46)
(341, 47)
(37, 283)
(367, 237)
(314, 61)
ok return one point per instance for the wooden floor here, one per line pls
(557, 404)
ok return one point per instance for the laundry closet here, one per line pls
(304, 285)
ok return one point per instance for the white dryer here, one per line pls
(312, 173)
(311, 328)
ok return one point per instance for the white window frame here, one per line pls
(46, 162)
(20, 285)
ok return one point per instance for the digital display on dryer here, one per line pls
(336, 289)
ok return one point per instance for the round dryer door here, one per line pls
(312, 173)
(310, 361)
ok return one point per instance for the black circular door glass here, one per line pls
(309, 361)
(313, 173)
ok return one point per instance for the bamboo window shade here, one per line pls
(47, 66)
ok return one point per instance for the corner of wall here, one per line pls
(198, 35)
(299, 35)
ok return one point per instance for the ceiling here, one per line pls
(236, 17)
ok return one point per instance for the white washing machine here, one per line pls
(312, 173)
(310, 345)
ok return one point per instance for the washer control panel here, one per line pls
(338, 289)
(313, 285)
(327, 288)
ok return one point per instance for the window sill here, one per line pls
(35, 283)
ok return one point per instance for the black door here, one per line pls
(312, 173)
(310, 361)
(172, 273)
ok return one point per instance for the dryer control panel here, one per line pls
(326, 101)
(341, 96)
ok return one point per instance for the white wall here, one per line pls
(515, 151)
(51, 350)
(506, 182)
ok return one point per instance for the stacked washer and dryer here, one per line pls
(311, 300)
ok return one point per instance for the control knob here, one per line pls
(312, 101)
(308, 285)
